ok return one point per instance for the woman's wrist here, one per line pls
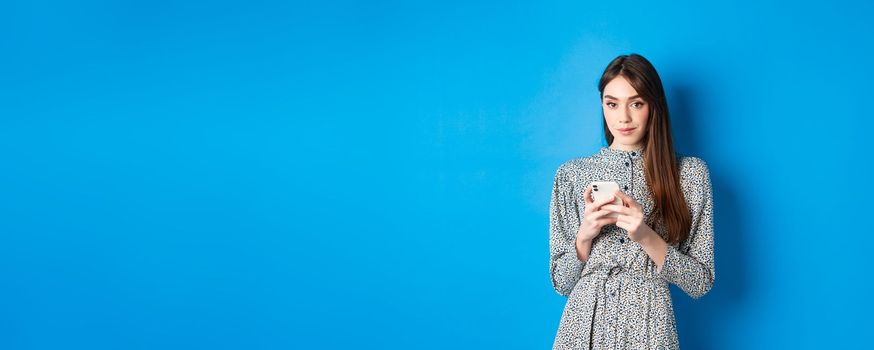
(655, 247)
(651, 239)
(583, 248)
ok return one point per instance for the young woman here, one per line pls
(615, 271)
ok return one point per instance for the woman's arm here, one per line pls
(565, 266)
(691, 269)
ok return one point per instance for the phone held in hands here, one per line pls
(602, 189)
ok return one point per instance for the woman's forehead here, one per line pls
(619, 89)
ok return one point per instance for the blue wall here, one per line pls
(326, 175)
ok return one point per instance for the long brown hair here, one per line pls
(661, 166)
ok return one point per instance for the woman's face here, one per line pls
(623, 109)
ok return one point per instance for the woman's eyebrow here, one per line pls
(611, 97)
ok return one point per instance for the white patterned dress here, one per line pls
(616, 298)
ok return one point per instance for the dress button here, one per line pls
(626, 187)
(622, 240)
(633, 153)
(626, 163)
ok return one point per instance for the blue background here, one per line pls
(330, 175)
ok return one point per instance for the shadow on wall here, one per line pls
(697, 319)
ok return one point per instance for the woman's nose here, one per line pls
(626, 116)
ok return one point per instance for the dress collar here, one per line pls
(609, 152)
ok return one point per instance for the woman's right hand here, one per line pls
(594, 218)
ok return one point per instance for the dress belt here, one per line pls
(595, 285)
(602, 276)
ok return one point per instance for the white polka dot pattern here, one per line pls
(616, 298)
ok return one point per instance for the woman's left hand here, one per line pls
(630, 217)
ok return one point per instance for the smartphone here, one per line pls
(601, 189)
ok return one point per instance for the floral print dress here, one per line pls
(617, 299)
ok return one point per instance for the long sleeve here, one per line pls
(691, 266)
(564, 265)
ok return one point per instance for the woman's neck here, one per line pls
(624, 147)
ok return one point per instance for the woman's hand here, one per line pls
(630, 217)
(594, 217)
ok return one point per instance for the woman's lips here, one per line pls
(626, 131)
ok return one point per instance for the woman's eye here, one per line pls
(610, 104)
(639, 104)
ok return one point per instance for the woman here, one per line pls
(615, 271)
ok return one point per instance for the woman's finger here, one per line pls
(616, 208)
(621, 220)
(587, 195)
(605, 200)
(628, 200)
(598, 214)
(589, 214)
(607, 221)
